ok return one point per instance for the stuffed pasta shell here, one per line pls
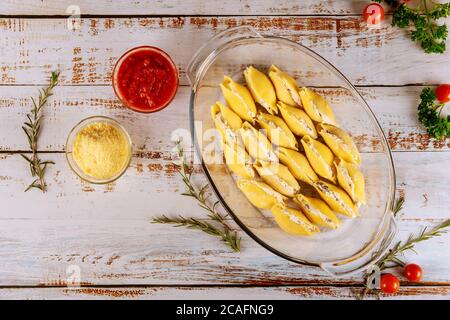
(317, 211)
(277, 130)
(226, 121)
(320, 157)
(336, 198)
(351, 180)
(239, 99)
(278, 177)
(292, 221)
(340, 142)
(297, 120)
(260, 194)
(298, 165)
(256, 143)
(238, 160)
(316, 106)
(286, 87)
(261, 88)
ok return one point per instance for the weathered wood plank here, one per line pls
(225, 293)
(395, 109)
(93, 228)
(182, 7)
(135, 252)
(87, 55)
(152, 186)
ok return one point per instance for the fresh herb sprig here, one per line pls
(429, 112)
(426, 30)
(225, 232)
(32, 129)
(398, 206)
(393, 257)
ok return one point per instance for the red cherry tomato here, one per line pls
(413, 272)
(389, 283)
(443, 93)
(373, 14)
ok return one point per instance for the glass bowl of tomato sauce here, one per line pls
(145, 79)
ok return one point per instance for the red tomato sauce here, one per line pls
(146, 80)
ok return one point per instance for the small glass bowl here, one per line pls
(69, 149)
(116, 72)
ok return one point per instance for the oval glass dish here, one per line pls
(358, 242)
(69, 149)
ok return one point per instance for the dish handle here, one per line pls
(370, 255)
(205, 53)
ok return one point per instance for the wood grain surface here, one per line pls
(202, 293)
(118, 253)
(182, 7)
(86, 55)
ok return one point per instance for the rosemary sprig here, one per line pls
(225, 232)
(228, 236)
(398, 206)
(32, 129)
(391, 259)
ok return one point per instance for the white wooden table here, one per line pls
(104, 231)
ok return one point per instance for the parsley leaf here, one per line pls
(423, 19)
(429, 115)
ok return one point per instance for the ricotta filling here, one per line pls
(302, 123)
(316, 212)
(279, 180)
(297, 220)
(292, 92)
(320, 114)
(347, 179)
(333, 195)
(319, 156)
(267, 191)
(230, 135)
(247, 109)
(261, 147)
(339, 141)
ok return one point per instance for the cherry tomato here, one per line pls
(389, 283)
(443, 93)
(413, 272)
(373, 14)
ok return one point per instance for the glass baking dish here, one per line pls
(358, 242)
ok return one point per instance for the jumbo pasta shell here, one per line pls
(277, 130)
(227, 115)
(298, 165)
(226, 121)
(239, 99)
(260, 194)
(316, 106)
(297, 120)
(238, 160)
(320, 157)
(351, 180)
(317, 211)
(336, 198)
(261, 88)
(257, 144)
(278, 177)
(286, 87)
(339, 142)
(292, 221)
